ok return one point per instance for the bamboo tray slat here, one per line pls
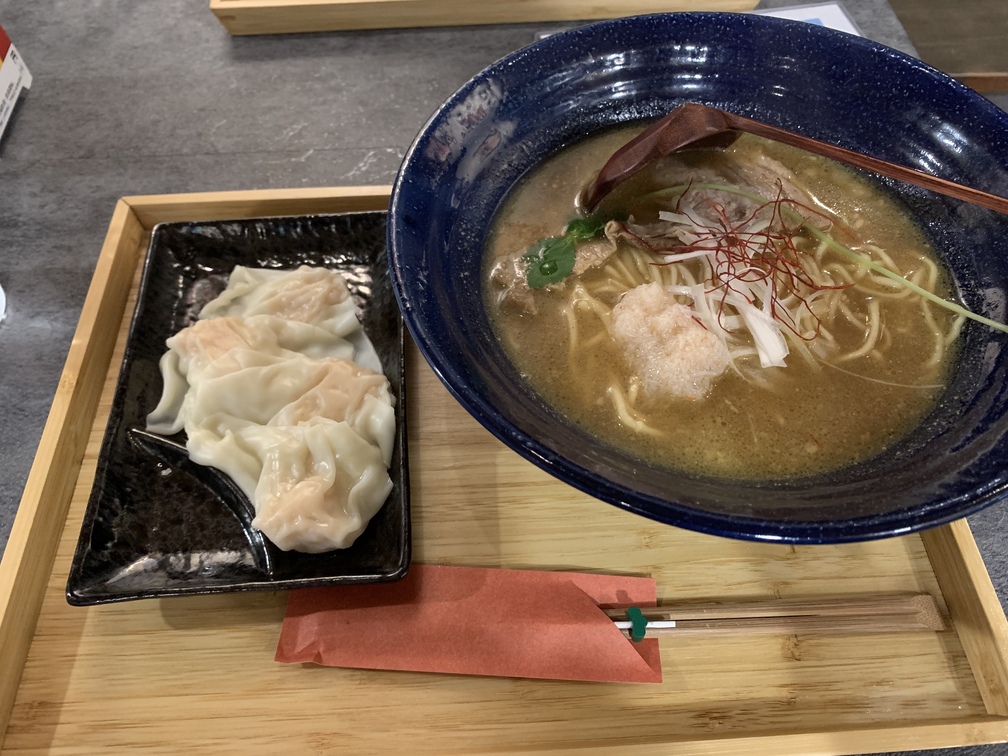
(197, 673)
(242, 17)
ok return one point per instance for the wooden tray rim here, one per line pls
(243, 17)
(27, 561)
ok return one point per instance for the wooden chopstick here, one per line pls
(882, 613)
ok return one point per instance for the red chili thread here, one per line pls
(769, 255)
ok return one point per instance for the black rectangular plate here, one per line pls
(160, 525)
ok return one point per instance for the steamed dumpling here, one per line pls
(214, 348)
(307, 311)
(278, 386)
(315, 296)
(307, 295)
(315, 485)
(207, 348)
(289, 392)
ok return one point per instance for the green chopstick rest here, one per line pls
(638, 624)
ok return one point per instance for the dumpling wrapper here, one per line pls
(286, 392)
(306, 295)
(281, 313)
(315, 486)
(278, 386)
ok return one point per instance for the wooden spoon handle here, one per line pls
(693, 123)
(685, 126)
(882, 167)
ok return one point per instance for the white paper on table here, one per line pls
(830, 15)
(14, 77)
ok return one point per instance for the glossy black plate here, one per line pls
(160, 525)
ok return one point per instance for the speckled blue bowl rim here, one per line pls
(840, 530)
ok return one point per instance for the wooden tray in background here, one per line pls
(286, 16)
(967, 44)
(197, 674)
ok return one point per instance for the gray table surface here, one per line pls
(150, 98)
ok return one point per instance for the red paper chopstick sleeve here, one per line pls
(475, 621)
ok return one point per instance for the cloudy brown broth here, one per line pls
(807, 418)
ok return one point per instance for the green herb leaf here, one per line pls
(583, 229)
(551, 260)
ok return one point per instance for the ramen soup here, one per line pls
(741, 313)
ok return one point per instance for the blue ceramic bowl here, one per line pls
(825, 84)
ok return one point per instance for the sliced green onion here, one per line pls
(551, 260)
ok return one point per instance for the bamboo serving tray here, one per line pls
(197, 673)
(284, 16)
